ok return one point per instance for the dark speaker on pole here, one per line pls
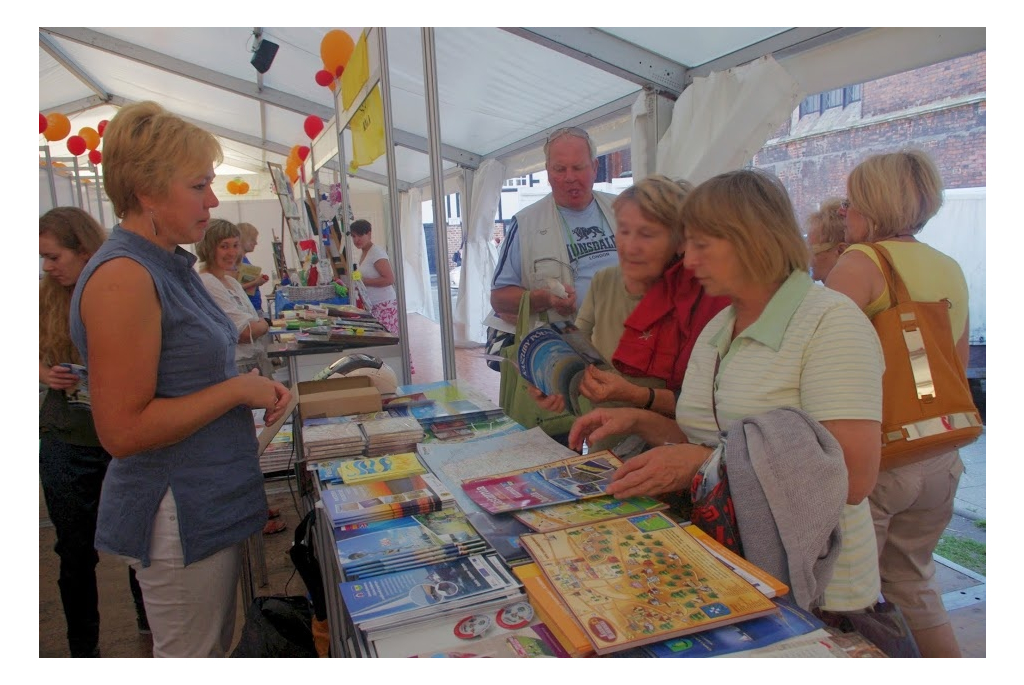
(263, 55)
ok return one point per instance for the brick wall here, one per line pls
(914, 109)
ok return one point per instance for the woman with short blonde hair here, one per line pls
(891, 197)
(219, 252)
(826, 233)
(774, 346)
(762, 228)
(896, 193)
(184, 489)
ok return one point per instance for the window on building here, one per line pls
(515, 182)
(838, 97)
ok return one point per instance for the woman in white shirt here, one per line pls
(377, 276)
(218, 254)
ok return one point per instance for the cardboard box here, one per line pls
(338, 397)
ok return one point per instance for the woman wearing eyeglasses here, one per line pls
(643, 315)
(826, 236)
(890, 199)
(774, 347)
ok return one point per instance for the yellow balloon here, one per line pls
(91, 137)
(336, 49)
(58, 127)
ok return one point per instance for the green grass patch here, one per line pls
(963, 551)
(980, 524)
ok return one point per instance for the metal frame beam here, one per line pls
(210, 77)
(71, 65)
(595, 116)
(611, 54)
(785, 44)
(81, 105)
(258, 92)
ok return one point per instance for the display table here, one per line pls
(292, 351)
(254, 562)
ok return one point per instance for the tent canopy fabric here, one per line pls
(501, 91)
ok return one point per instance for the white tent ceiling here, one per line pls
(500, 90)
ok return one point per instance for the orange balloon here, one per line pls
(232, 186)
(243, 188)
(293, 175)
(336, 49)
(58, 127)
(91, 137)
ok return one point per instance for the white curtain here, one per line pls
(959, 230)
(415, 270)
(721, 121)
(479, 256)
(639, 115)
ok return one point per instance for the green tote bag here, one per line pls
(514, 398)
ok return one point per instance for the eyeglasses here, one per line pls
(568, 131)
(822, 247)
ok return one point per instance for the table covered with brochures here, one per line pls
(443, 528)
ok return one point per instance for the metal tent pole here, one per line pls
(437, 186)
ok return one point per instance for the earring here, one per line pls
(152, 222)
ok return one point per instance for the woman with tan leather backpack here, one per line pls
(890, 199)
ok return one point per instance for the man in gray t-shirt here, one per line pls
(586, 228)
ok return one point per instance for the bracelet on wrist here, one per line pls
(650, 398)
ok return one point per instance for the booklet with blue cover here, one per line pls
(789, 621)
(403, 595)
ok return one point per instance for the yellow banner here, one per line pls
(356, 73)
(367, 128)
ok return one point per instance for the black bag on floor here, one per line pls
(277, 627)
(303, 556)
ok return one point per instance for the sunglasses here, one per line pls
(568, 131)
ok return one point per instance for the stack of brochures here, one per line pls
(501, 628)
(324, 439)
(407, 542)
(430, 591)
(389, 435)
(389, 499)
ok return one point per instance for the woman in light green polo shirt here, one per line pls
(783, 342)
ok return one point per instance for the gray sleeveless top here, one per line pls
(214, 473)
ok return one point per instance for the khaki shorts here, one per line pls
(911, 507)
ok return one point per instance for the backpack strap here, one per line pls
(897, 288)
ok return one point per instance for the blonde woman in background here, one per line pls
(826, 231)
(890, 199)
(219, 251)
(250, 237)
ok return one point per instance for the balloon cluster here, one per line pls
(335, 50)
(56, 126)
(237, 187)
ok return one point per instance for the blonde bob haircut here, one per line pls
(751, 209)
(247, 231)
(829, 218)
(216, 231)
(659, 199)
(145, 147)
(896, 192)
